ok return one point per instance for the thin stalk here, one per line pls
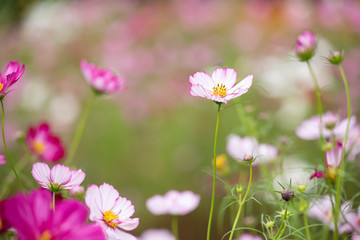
(6, 149)
(214, 176)
(80, 128)
(318, 98)
(53, 202)
(175, 226)
(241, 203)
(340, 178)
(306, 226)
(10, 177)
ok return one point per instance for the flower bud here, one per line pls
(301, 187)
(305, 46)
(269, 224)
(282, 213)
(239, 188)
(287, 195)
(336, 57)
(249, 158)
(327, 147)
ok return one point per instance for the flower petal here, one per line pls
(60, 174)
(41, 173)
(77, 177)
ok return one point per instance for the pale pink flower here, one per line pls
(111, 211)
(310, 129)
(173, 203)
(353, 220)
(321, 210)
(333, 156)
(220, 86)
(58, 178)
(77, 190)
(157, 234)
(305, 46)
(102, 80)
(240, 148)
(2, 159)
(248, 236)
(11, 75)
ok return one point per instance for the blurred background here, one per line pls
(155, 137)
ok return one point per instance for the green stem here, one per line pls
(241, 203)
(340, 178)
(174, 226)
(80, 128)
(214, 177)
(306, 226)
(53, 202)
(10, 177)
(318, 98)
(6, 149)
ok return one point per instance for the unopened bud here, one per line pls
(336, 57)
(327, 147)
(282, 213)
(248, 158)
(305, 46)
(239, 188)
(269, 224)
(301, 187)
(287, 195)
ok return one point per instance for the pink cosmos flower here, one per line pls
(2, 159)
(248, 236)
(305, 46)
(33, 218)
(220, 86)
(11, 75)
(322, 210)
(111, 211)
(333, 156)
(58, 178)
(102, 80)
(353, 220)
(241, 148)
(41, 141)
(173, 203)
(310, 129)
(157, 234)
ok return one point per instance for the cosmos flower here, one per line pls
(220, 86)
(2, 159)
(111, 211)
(173, 203)
(157, 234)
(353, 220)
(242, 148)
(317, 174)
(333, 156)
(102, 80)
(58, 178)
(41, 141)
(305, 46)
(11, 75)
(321, 210)
(33, 218)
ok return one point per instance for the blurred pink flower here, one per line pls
(317, 174)
(220, 87)
(305, 46)
(353, 220)
(333, 156)
(173, 203)
(41, 141)
(157, 234)
(111, 211)
(2, 159)
(310, 129)
(248, 236)
(76, 190)
(11, 75)
(58, 178)
(321, 210)
(102, 80)
(33, 218)
(239, 148)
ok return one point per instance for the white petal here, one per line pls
(41, 173)
(60, 174)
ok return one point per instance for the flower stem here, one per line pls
(174, 226)
(318, 98)
(6, 149)
(241, 203)
(214, 176)
(53, 202)
(80, 128)
(306, 226)
(340, 178)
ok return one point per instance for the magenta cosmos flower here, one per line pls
(333, 156)
(33, 218)
(41, 141)
(58, 178)
(242, 148)
(173, 203)
(305, 46)
(2, 159)
(220, 86)
(111, 211)
(102, 80)
(11, 75)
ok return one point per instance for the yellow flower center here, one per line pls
(332, 173)
(39, 146)
(1, 86)
(109, 216)
(220, 89)
(45, 235)
(220, 161)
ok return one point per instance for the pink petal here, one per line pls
(108, 196)
(93, 201)
(203, 79)
(41, 173)
(156, 205)
(243, 86)
(226, 76)
(77, 177)
(60, 174)
(2, 159)
(129, 224)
